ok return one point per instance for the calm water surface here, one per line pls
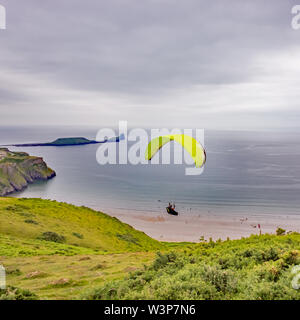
(246, 172)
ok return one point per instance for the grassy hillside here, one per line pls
(60, 251)
(69, 277)
(258, 268)
(35, 221)
(57, 250)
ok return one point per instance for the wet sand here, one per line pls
(191, 227)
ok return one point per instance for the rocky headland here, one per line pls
(18, 169)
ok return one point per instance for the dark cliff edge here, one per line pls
(18, 169)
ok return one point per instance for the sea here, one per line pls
(246, 172)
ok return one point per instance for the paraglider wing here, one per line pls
(193, 147)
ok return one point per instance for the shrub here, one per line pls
(98, 266)
(222, 280)
(36, 275)
(78, 235)
(15, 272)
(292, 257)
(258, 267)
(30, 221)
(128, 237)
(280, 232)
(12, 293)
(52, 236)
(163, 259)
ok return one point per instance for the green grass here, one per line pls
(257, 268)
(53, 250)
(74, 248)
(97, 230)
(68, 277)
(19, 247)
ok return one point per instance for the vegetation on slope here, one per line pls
(60, 251)
(50, 227)
(256, 268)
(68, 277)
(57, 250)
(12, 293)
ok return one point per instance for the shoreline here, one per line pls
(191, 228)
(200, 226)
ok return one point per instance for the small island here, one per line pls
(18, 169)
(60, 142)
(73, 141)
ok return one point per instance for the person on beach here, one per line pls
(170, 206)
(171, 209)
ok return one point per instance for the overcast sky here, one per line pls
(231, 64)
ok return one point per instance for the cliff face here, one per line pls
(18, 169)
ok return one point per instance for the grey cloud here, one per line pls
(143, 50)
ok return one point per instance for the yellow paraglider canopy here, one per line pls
(193, 147)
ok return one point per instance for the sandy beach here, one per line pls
(186, 227)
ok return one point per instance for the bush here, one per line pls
(162, 260)
(292, 257)
(12, 271)
(280, 232)
(128, 237)
(98, 267)
(30, 221)
(78, 235)
(52, 236)
(12, 293)
(256, 268)
(222, 280)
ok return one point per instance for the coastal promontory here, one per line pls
(18, 169)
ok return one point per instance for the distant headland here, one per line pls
(74, 141)
(18, 169)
